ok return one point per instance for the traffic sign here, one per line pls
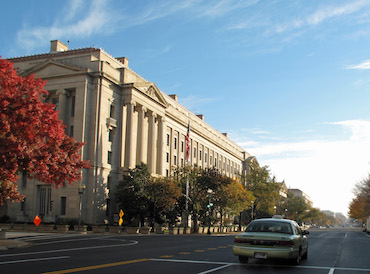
(121, 213)
(37, 220)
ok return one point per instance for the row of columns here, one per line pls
(136, 154)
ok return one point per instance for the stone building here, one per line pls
(124, 120)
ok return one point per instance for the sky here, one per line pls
(288, 80)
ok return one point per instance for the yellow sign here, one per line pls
(120, 221)
(121, 213)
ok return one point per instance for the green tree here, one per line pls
(295, 208)
(264, 189)
(131, 193)
(163, 195)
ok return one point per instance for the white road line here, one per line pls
(35, 260)
(331, 271)
(323, 234)
(227, 264)
(215, 269)
(74, 240)
(69, 249)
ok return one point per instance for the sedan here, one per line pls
(272, 239)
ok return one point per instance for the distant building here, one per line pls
(300, 193)
(124, 120)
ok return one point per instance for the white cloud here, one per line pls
(326, 170)
(363, 65)
(70, 23)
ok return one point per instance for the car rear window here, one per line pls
(276, 227)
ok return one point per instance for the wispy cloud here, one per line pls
(363, 65)
(69, 24)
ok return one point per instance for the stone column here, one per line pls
(140, 135)
(160, 151)
(123, 136)
(151, 142)
(62, 94)
(130, 135)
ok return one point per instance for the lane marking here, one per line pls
(199, 250)
(167, 256)
(215, 269)
(331, 271)
(35, 260)
(185, 253)
(69, 249)
(259, 265)
(75, 240)
(212, 248)
(96, 266)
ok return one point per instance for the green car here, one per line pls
(272, 239)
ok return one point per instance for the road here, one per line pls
(330, 251)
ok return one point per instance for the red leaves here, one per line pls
(32, 138)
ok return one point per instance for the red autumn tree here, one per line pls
(32, 137)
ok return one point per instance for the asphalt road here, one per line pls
(330, 251)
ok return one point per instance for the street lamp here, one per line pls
(209, 191)
(252, 210)
(81, 189)
(275, 210)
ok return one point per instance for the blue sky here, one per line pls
(288, 80)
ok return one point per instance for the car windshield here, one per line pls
(269, 226)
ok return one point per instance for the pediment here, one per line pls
(53, 68)
(151, 90)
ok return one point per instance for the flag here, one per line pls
(187, 151)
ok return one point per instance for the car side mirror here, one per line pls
(305, 232)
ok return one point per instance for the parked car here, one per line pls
(272, 239)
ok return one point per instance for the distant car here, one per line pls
(272, 239)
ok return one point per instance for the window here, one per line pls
(200, 155)
(55, 101)
(205, 157)
(24, 179)
(174, 160)
(167, 173)
(195, 152)
(182, 146)
(182, 162)
(108, 207)
(112, 109)
(110, 135)
(168, 139)
(23, 205)
(109, 160)
(63, 205)
(71, 131)
(175, 143)
(167, 157)
(109, 182)
(73, 103)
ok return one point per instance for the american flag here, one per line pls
(187, 144)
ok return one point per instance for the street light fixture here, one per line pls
(81, 189)
(209, 191)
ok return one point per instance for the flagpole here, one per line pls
(187, 179)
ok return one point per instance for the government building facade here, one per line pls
(123, 120)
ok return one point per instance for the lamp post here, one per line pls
(209, 191)
(275, 210)
(252, 210)
(81, 189)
